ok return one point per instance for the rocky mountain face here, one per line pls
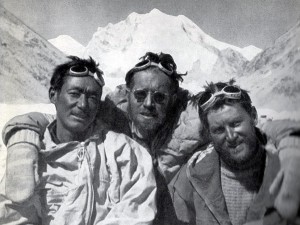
(271, 75)
(26, 62)
(274, 75)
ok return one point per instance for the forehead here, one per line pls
(152, 79)
(227, 113)
(85, 83)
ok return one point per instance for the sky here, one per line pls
(237, 22)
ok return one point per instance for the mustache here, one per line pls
(149, 113)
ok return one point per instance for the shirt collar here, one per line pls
(52, 132)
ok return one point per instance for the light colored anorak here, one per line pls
(107, 179)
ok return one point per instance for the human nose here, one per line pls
(82, 102)
(230, 134)
(148, 102)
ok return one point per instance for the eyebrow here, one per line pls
(83, 90)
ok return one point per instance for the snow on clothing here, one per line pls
(199, 199)
(107, 179)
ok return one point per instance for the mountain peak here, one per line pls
(68, 45)
(155, 31)
(156, 11)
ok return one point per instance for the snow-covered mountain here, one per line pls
(274, 74)
(118, 46)
(26, 62)
(272, 77)
(68, 45)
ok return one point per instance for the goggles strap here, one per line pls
(150, 63)
(228, 95)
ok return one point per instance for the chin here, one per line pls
(79, 127)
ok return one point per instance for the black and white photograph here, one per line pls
(162, 112)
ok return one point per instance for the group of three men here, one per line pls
(125, 160)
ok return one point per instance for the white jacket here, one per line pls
(107, 179)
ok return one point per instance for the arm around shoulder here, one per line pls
(34, 121)
(22, 135)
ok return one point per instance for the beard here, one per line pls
(239, 157)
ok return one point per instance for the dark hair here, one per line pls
(61, 71)
(164, 59)
(220, 101)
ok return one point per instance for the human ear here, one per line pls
(52, 95)
(127, 91)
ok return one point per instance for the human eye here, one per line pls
(140, 94)
(236, 124)
(93, 98)
(74, 93)
(159, 97)
(217, 130)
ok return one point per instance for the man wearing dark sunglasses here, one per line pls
(152, 87)
(229, 182)
(87, 174)
(153, 110)
(152, 103)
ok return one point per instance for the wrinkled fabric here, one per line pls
(181, 135)
(180, 139)
(198, 197)
(108, 179)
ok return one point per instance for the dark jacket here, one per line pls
(198, 198)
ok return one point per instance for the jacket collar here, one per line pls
(205, 178)
(203, 171)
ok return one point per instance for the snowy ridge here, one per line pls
(68, 45)
(118, 46)
(272, 75)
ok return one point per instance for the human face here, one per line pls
(76, 105)
(232, 131)
(147, 115)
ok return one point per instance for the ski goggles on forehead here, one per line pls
(167, 68)
(82, 71)
(158, 97)
(207, 99)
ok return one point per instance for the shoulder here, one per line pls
(188, 131)
(34, 121)
(180, 185)
(202, 156)
(181, 180)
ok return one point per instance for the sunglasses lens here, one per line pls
(204, 98)
(159, 97)
(231, 89)
(140, 95)
(78, 69)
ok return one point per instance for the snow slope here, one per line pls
(68, 45)
(118, 46)
(26, 61)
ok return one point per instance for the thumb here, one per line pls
(287, 199)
